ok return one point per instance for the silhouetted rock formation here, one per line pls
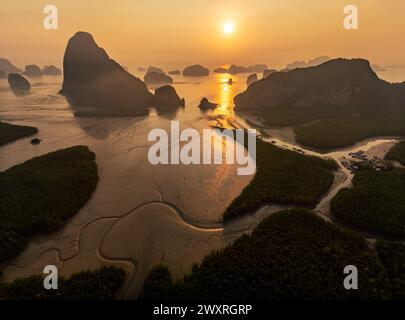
(196, 71)
(206, 105)
(268, 72)
(174, 72)
(340, 83)
(310, 63)
(17, 81)
(230, 81)
(221, 70)
(252, 78)
(91, 78)
(32, 70)
(167, 97)
(155, 69)
(152, 78)
(234, 69)
(51, 70)
(3, 75)
(8, 67)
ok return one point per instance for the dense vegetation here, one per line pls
(40, 194)
(290, 255)
(284, 177)
(86, 285)
(158, 284)
(376, 202)
(11, 132)
(392, 256)
(344, 131)
(397, 153)
(287, 116)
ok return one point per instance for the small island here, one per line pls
(196, 70)
(11, 132)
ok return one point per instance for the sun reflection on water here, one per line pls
(224, 96)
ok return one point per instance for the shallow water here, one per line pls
(140, 214)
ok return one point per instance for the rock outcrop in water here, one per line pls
(339, 83)
(32, 70)
(196, 71)
(167, 97)
(252, 78)
(92, 78)
(7, 67)
(206, 105)
(153, 78)
(51, 70)
(18, 82)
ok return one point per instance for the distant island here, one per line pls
(32, 70)
(51, 70)
(234, 69)
(195, 70)
(310, 63)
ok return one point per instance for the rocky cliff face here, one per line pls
(336, 83)
(91, 78)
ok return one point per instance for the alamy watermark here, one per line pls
(207, 149)
(51, 280)
(50, 21)
(351, 20)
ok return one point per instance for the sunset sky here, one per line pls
(181, 32)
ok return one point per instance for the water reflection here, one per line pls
(225, 94)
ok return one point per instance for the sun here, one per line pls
(228, 27)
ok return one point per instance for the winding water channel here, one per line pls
(141, 214)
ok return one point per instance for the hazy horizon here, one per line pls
(176, 33)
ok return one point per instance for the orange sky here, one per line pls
(181, 32)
